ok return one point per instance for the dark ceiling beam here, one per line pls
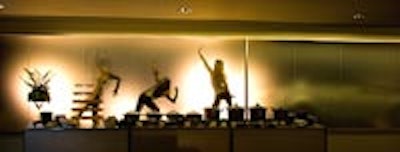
(376, 12)
(67, 25)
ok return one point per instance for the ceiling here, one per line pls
(281, 20)
(378, 12)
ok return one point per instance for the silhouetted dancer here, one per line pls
(95, 99)
(160, 89)
(218, 81)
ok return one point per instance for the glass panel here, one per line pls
(346, 85)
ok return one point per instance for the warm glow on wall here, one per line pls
(323, 76)
(70, 66)
(199, 93)
(196, 91)
(60, 88)
(119, 105)
(261, 87)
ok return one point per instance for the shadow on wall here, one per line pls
(10, 119)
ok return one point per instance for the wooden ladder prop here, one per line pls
(85, 104)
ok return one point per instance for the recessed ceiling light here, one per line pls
(185, 10)
(359, 16)
(185, 7)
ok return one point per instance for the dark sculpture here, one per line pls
(160, 89)
(39, 84)
(93, 102)
(218, 81)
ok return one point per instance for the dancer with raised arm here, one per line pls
(218, 80)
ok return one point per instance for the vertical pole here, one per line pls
(246, 78)
(326, 148)
(24, 144)
(130, 142)
(231, 139)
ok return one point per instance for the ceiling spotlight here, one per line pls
(359, 16)
(359, 8)
(185, 10)
(185, 7)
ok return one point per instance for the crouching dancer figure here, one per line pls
(160, 89)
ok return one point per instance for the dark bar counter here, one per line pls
(182, 140)
(364, 140)
(203, 140)
(79, 140)
(11, 142)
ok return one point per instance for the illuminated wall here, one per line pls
(348, 85)
(72, 60)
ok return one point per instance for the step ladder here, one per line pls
(85, 104)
